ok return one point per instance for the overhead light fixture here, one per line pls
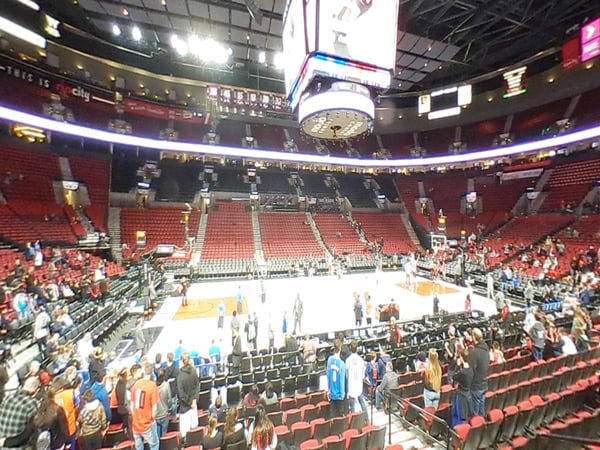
(125, 12)
(20, 32)
(116, 30)
(278, 61)
(30, 4)
(254, 11)
(262, 57)
(211, 51)
(136, 33)
(180, 46)
(51, 26)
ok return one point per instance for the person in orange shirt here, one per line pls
(144, 401)
(67, 398)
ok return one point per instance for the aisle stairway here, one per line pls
(199, 241)
(410, 229)
(114, 230)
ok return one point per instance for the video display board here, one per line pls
(590, 40)
(350, 40)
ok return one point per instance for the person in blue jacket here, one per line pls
(336, 381)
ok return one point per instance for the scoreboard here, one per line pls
(590, 40)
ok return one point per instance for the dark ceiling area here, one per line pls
(439, 41)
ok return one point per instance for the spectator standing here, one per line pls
(432, 380)
(97, 363)
(92, 422)
(139, 338)
(16, 416)
(171, 373)
(462, 409)
(369, 309)
(41, 329)
(565, 344)
(51, 418)
(436, 305)
(67, 397)
(239, 300)
(101, 394)
(389, 382)
(537, 333)
(490, 285)
(123, 396)
(221, 314)
(468, 303)
(144, 408)
(371, 373)
(355, 369)
(235, 327)
(187, 391)
(479, 361)
(308, 347)
(358, 310)
(297, 313)
(85, 347)
(164, 403)
(336, 380)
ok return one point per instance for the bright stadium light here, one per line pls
(116, 30)
(262, 57)
(20, 32)
(44, 123)
(136, 33)
(278, 60)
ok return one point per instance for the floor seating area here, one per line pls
(229, 232)
(162, 226)
(287, 235)
(389, 227)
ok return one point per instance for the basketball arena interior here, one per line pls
(401, 177)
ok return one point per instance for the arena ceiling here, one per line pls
(439, 41)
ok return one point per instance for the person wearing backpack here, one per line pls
(51, 423)
(92, 422)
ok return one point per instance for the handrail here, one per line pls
(447, 431)
(566, 437)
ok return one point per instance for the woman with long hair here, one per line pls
(432, 380)
(234, 430)
(263, 435)
(213, 437)
(51, 418)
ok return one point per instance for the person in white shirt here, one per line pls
(85, 347)
(355, 373)
(41, 329)
(565, 343)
